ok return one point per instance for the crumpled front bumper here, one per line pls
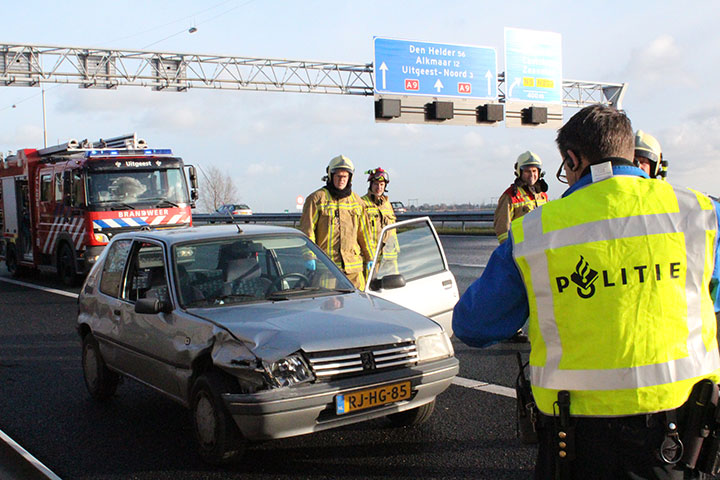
(291, 411)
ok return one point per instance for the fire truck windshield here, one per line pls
(162, 187)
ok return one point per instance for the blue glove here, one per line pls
(310, 265)
(369, 265)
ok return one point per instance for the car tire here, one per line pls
(218, 438)
(67, 271)
(11, 262)
(101, 382)
(412, 417)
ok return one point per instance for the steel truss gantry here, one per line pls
(101, 68)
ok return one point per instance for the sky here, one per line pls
(276, 145)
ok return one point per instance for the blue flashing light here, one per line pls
(147, 151)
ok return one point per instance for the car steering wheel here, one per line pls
(303, 281)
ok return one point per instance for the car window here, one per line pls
(114, 266)
(147, 275)
(45, 187)
(410, 250)
(221, 272)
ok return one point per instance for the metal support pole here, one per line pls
(44, 120)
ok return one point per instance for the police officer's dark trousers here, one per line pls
(609, 449)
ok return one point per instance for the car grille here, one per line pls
(361, 361)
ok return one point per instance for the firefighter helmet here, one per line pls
(648, 147)
(527, 159)
(341, 162)
(377, 175)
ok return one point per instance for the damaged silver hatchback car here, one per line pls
(258, 333)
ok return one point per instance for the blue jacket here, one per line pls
(495, 306)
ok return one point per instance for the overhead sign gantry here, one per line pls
(28, 65)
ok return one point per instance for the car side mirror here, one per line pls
(395, 280)
(152, 306)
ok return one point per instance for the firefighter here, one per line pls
(334, 218)
(621, 313)
(378, 209)
(648, 155)
(526, 193)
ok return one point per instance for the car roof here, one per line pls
(189, 234)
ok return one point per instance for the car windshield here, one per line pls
(160, 188)
(229, 271)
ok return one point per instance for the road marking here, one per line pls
(27, 456)
(468, 265)
(460, 381)
(484, 386)
(39, 287)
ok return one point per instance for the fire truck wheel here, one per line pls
(101, 382)
(11, 261)
(66, 266)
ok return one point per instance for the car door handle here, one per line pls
(447, 284)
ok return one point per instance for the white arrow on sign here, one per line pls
(514, 84)
(383, 69)
(438, 85)
(489, 77)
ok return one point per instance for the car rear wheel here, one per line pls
(219, 440)
(415, 416)
(100, 381)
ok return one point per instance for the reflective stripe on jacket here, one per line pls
(337, 227)
(617, 279)
(378, 217)
(514, 206)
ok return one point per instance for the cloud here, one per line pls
(22, 136)
(692, 149)
(659, 63)
(261, 169)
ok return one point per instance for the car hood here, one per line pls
(274, 330)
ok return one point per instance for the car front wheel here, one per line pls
(219, 440)
(100, 381)
(415, 416)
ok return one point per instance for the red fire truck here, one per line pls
(60, 205)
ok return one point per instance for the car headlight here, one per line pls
(290, 371)
(433, 347)
(101, 238)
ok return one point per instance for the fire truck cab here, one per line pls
(60, 205)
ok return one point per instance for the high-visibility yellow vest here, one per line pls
(378, 217)
(617, 279)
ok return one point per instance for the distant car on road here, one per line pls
(234, 209)
(261, 336)
(398, 207)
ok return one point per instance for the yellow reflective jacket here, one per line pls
(617, 277)
(514, 203)
(379, 215)
(338, 228)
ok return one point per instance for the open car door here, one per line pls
(410, 269)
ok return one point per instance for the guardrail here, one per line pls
(479, 216)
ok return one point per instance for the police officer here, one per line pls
(377, 206)
(525, 194)
(621, 314)
(334, 218)
(648, 155)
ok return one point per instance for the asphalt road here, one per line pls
(142, 435)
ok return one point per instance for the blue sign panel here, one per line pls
(533, 66)
(404, 67)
